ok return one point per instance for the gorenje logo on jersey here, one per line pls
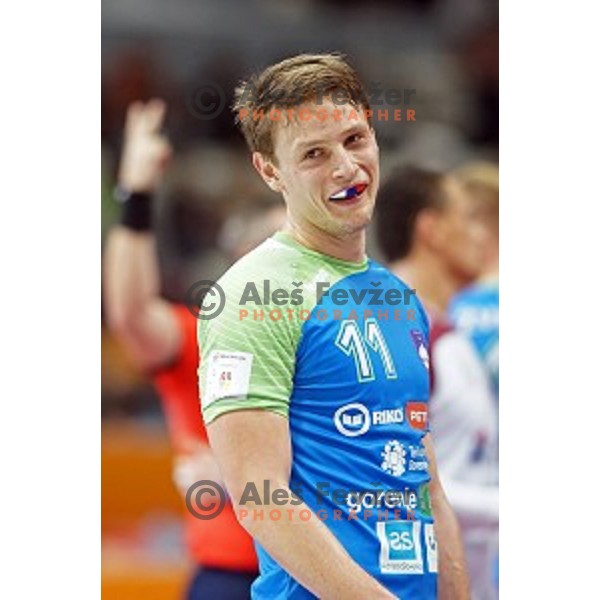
(355, 419)
(376, 499)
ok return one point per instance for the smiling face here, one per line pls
(327, 169)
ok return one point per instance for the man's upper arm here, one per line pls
(247, 364)
(435, 485)
(247, 359)
(251, 446)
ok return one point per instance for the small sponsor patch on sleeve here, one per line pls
(227, 375)
(432, 548)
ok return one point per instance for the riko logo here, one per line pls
(355, 419)
(416, 413)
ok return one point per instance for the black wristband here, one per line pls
(137, 209)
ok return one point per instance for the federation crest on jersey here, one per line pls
(419, 342)
(394, 458)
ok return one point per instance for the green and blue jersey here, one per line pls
(340, 349)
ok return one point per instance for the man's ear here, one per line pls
(428, 229)
(268, 171)
(373, 133)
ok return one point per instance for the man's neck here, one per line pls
(350, 248)
(434, 285)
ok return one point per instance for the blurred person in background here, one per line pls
(430, 231)
(475, 309)
(161, 337)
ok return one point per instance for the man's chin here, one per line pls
(354, 225)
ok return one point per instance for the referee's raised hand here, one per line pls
(146, 150)
(135, 310)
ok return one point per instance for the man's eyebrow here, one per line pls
(354, 128)
(306, 144)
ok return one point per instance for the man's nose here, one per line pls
(345, 168)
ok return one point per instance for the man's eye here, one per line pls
(314, 153)
(354, 138)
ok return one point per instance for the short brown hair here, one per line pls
(406, 193)
(288, 84)
(482, 180)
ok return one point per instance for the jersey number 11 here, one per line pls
(350, 341)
